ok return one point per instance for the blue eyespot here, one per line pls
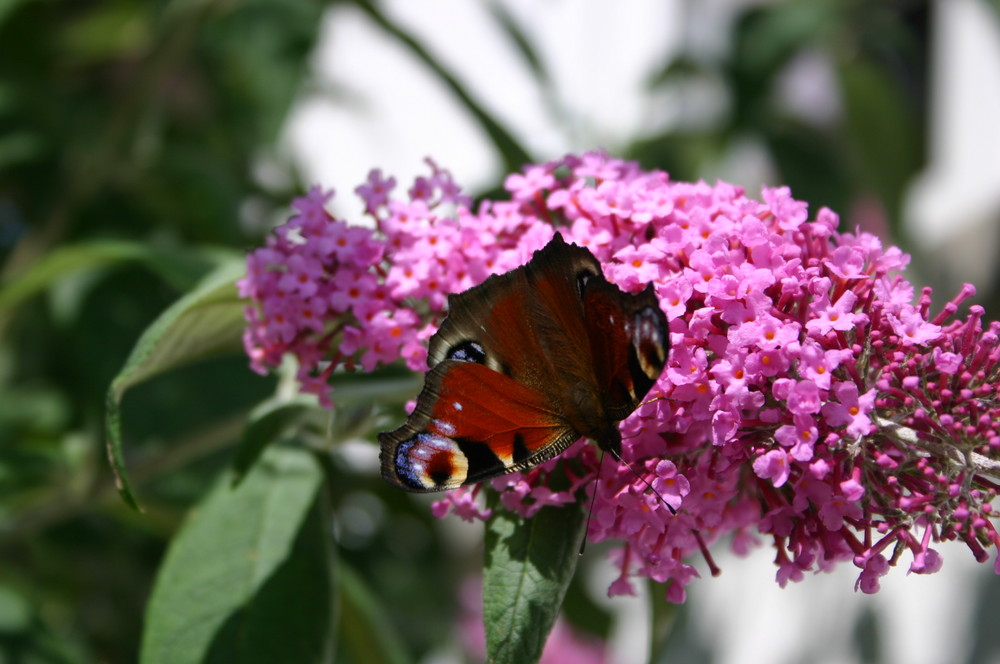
(467, 351)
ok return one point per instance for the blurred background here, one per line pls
(141, 140)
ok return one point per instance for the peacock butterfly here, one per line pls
(524, 365)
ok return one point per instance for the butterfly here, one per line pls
(525, 364)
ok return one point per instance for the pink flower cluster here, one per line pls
(809, 396)
(334, 295)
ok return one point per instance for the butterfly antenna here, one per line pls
(597, 483)
(663, 500)
(658, 397)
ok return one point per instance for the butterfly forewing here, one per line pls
(527, 322)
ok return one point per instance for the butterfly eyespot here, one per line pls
(649, 341)
(467, 351)
(428, 461)
(583, 278)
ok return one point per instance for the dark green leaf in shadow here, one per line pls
(683, 155)
(767, 37)
(672, 635)
(15, 611)
(7, 7)
(529, 564)
(809, 162)
(579, 608)
(207, 321)
(181, 269)
(106, 32)
(664, 619)
(677, 67)
(366, 633)
(885, 129)
(393, 383)
(18, 147)
(250, 576)
(354, 414)
(268, 423)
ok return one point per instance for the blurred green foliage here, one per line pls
(129, 133)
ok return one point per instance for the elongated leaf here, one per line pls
(513, 153)
(886, 128)
(7, 7)
(207, 321)
(180, 268)
(389, 384)
(504, 20)
(63, 262)
(250, 576)
(664, 619)
(354, 395)
(368, 634)
(268, 422)
(529, 565)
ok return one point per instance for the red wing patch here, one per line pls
(470, 424)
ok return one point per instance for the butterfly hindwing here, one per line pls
(629, 343)
(470, 424)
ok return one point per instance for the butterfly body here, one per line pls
(525, 364)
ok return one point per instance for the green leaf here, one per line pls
(205, 322)
(63, 262)
(809, 161)
(664, 619)
(106, 32)
(18, 147)
(529, 564)
(180, 268)
(766, 38)
(368, 634)
(15, 611)
(268, 423)
(8, 7)
(250, 576)
(885, 128)
(388, 384)
(355, 395)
